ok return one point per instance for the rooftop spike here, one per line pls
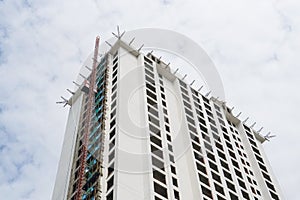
(167, 65)
(207, 94)
(82, 76)
(108, 43)
(245, 120)
(118, 30)
(88, 68)
(184, 77)
(238, 115)
(76, 84)
(131, 41)
(176, 71)
(122, 34)
(70, 91)
(140, 47)
(192, 82)
(260, 130)
(200, 88)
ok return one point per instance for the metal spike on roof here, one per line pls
(140, 47)
(108, 43)
(76, 84)
(176, 71)
(253, 125)
(82, 76)
(70, 91)
(131, 41)
(245, 120)
(167, 65)
(207, 94)
(260, 130)
(200, 88)
(88, 68)
(192, 82)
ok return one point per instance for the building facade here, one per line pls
(153, 136)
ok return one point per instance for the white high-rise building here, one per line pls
(153, 136)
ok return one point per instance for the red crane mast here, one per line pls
(90, 106)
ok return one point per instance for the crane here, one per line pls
(91, 98)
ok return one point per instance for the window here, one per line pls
(196, 147)
(201, 168)
(173, 170)
(111, 156)
(170, 147)
(148, 67)
(245, 195)
(151, 87)
(157, 163)
(110, 170)
(171, 158)
(274, 196)
(203, 179)
(110, 196)
(113, 104)
(219, 188)
(188, 112)
(157, 152)
(160, 190)
(270, 186)
(233, 196)
(230, 186)
(111, 144)
(190, 120)
(153, 120)
(113, 113)
(167, 128)
(149, 73)
(222, 155)
(174, 180)
(112, 123)
(238, 173)
(154, 130)
(151, 102)
(211, 156)
(176, 194)
(110, 183)
(227, 175)
(186, 98)
(155, 140)
(112, 133)
(168, 137)
(159, 176)
(152, 111)
(206, 191)
(150, 80)
(242, 184)
(152, 95)
(213, 166)
(216, 177)
(147, 60)
(187, 105)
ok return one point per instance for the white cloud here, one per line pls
(43, 43)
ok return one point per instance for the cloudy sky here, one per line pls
(255, 45)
